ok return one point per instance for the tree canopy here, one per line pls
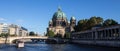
(50, 34)
(4, 35)
(67, 35)
(109, 22)
(32, 33)
(58, 35)
(86, 24)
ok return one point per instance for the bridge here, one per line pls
(33, 38)
(11, 39)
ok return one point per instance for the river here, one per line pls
(54, 47)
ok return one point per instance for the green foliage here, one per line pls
(85, 24)
(58, 36)
(13, 35)
(50, 34)
(110, 22)
(4, 35)
(94, 21)
(67, 35)
(32, 33)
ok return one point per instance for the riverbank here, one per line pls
(114, 44)
(2, 40)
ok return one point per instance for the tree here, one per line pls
(67, 35)
(58, 35)
(99, 20)
(32, 33)
(86, 24)
(81, 25)
(93, 21)
(13, 35)
(5, 35)
(50, 34)
(110, 22)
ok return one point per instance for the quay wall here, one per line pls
(97, 42)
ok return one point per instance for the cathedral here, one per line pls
(59, 23)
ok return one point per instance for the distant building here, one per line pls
(3, 28)
(17, 30)
(13, 29)
(23, 32)
(60, 24)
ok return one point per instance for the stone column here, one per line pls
(115, 32)
(101, 34)
(104, 33)
(96, 34)
(92, 35)
(119, 32)
(111, 33)
(108, 33)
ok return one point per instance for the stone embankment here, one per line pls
(2, 40)
(97, 42)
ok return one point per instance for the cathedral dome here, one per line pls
(59, 14)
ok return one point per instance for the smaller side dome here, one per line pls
(68, 21)
(73, 18)
(50, 21)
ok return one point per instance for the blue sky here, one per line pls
(35, 14)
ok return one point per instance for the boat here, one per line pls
(20, 43)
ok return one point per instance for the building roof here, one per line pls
(24, 28)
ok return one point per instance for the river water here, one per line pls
(54, 47)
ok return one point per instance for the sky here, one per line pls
(35, 14)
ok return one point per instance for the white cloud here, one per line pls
(3, 19)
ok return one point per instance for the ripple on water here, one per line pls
(54, 47)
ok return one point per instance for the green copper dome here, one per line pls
(59, 14)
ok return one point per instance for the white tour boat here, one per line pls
(20, 43)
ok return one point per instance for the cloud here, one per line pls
(3, 19)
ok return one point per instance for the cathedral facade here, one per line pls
(59, 23)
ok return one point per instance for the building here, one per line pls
(101, 36)
(23, 32)
(17, 30)
(100, 33)
(3, 28)
(59, 23)
(13, 29)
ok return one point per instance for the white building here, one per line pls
(3, 28)
(13, 29)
